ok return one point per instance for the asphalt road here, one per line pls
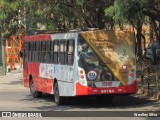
(14, 97)
(23, 101)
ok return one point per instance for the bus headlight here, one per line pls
(82, 77)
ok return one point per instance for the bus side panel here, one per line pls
(33, 70)
(43, 85)
(84, 90)
(66, 89)
(36, 70)
(25, 80)
(40, 84)
(29, 68)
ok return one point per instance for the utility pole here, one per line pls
(3, 55)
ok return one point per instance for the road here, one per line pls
(14, 97)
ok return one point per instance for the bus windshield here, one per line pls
(90, 61)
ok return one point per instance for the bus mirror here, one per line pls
(20, 54)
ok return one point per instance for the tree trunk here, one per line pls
(100, 15)
(154, 57)
(155, 29)
(144, 45)
(151, 30)
(139, 32)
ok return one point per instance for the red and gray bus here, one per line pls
(83, 63)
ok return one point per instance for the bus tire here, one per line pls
(34, 93)
(58, 99)
(106, 74)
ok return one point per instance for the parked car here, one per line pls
(149, 52)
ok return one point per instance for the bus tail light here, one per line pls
(132, 70)
(82, 76)
(124, 67)
(132, 75)
(81, 71)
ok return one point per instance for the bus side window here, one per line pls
(48, 52)
(52, 51)
(25, 49)
(43, 51)
(56, 51)
(36, 51)
(30, 51)
(48, 46)
(36, 56)
(33, 52)
(39, 56)
(62, 46)
(40, 51)
(70, 51)
(37, 46)
(29, 46)
(43, 45)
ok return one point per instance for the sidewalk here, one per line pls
(17, 68)
(11, 82)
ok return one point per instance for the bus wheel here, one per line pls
(106, 76)
(58, 99)
(34, 93)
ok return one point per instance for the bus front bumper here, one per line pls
(84, 90)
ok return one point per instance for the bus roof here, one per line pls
(68, 35)
(37, 37)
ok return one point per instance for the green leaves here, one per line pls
(70, 14)
(126, 11)
(80, 2)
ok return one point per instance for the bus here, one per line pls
(82, 63)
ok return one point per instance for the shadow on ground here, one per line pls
(19, 82)
(91, 103)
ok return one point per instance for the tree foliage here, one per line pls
(54, 14)
(135, 12)
(71, 14)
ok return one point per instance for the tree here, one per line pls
(124, 11)
(9, 17)
(71, 14)
(151, 8)
(54, 15)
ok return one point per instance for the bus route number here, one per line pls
(107, 91)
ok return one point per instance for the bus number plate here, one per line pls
(107, 91)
